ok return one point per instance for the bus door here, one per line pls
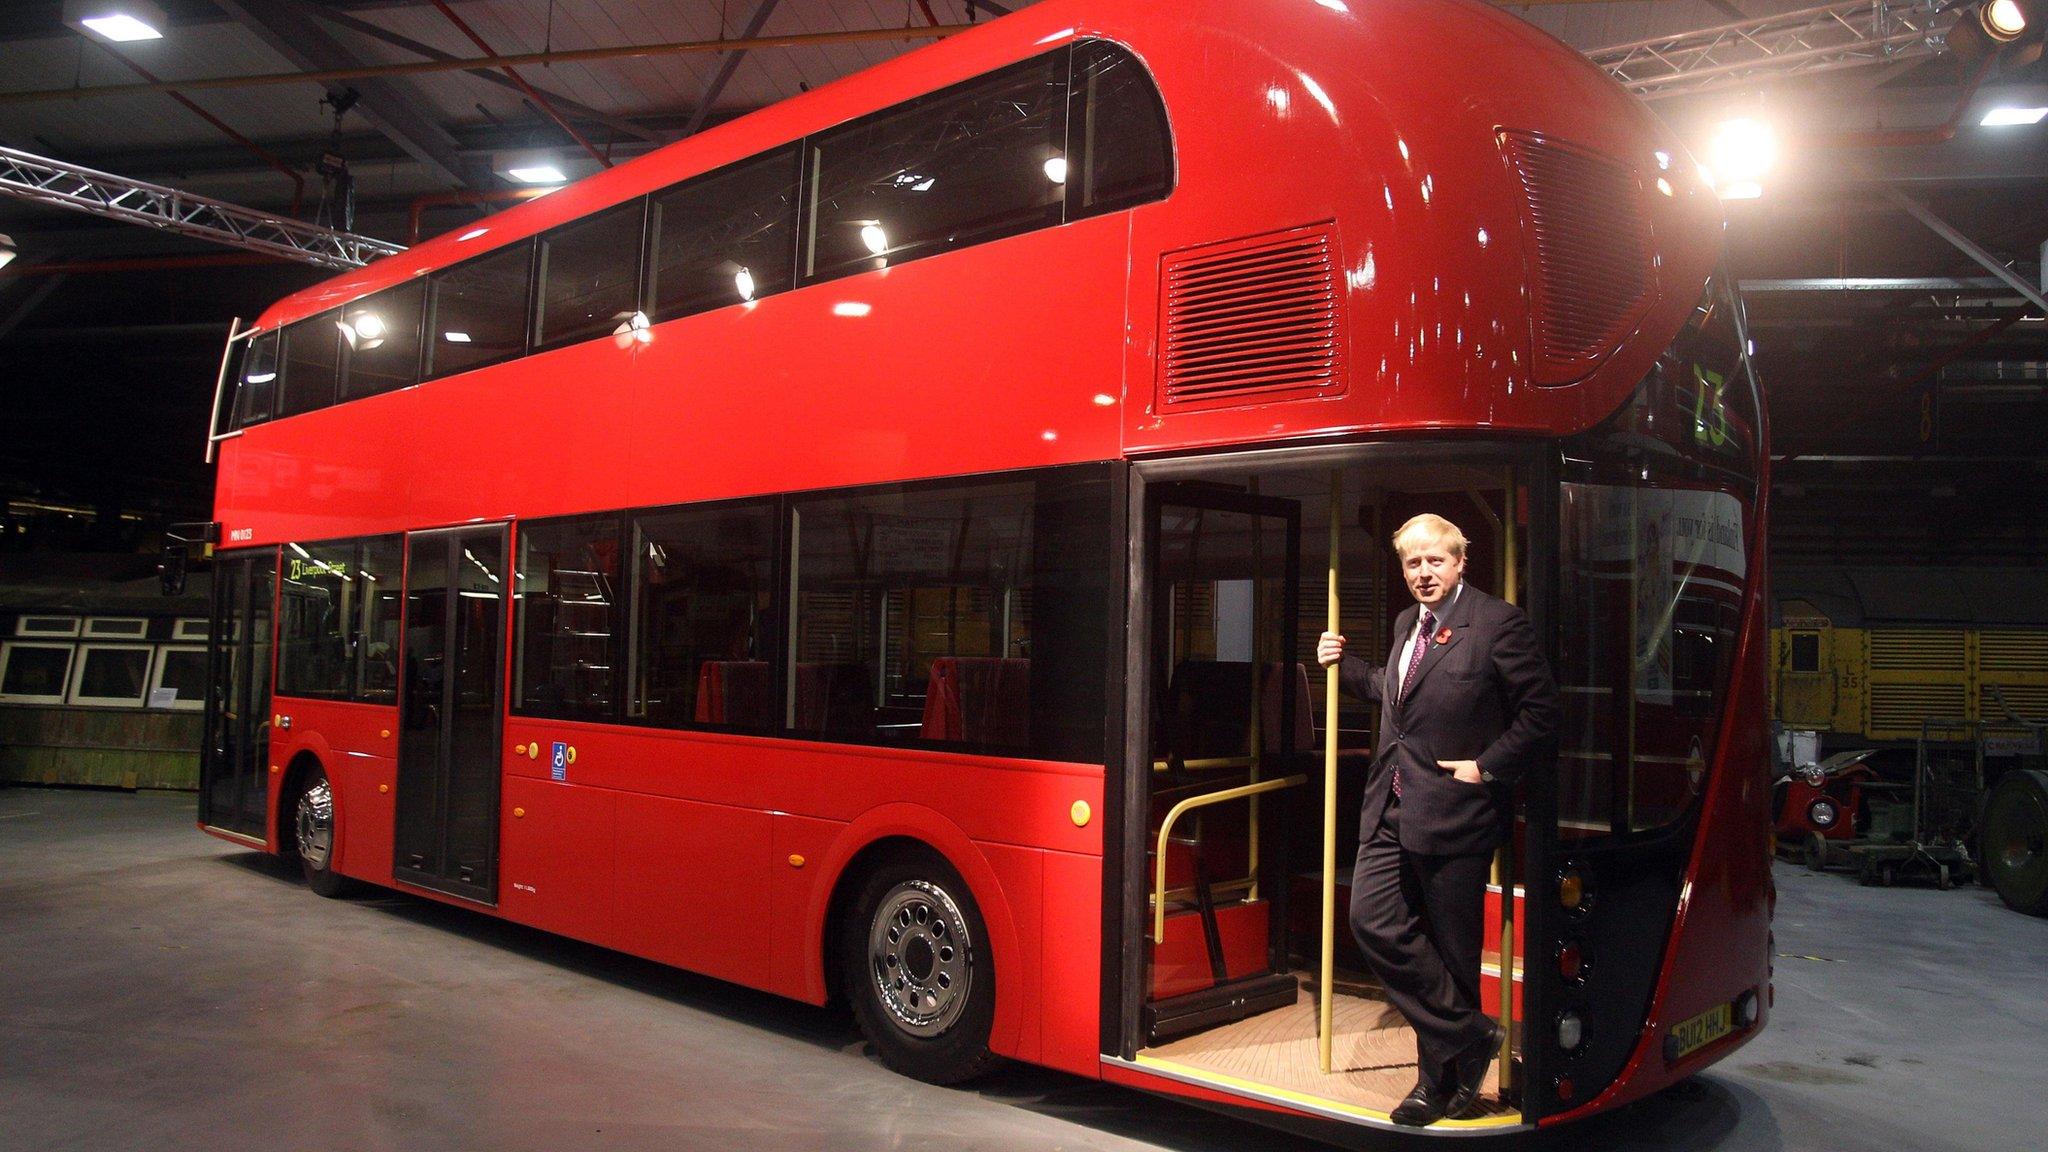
(1230, 737)
(450, 711)
(234, 782)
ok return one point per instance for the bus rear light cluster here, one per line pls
(1565, 1089)
(1573, 892)
(1571, 963)
(1747, 1009)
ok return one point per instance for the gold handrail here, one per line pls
(1208, 762)
(1178, 810)
(1325, 1025)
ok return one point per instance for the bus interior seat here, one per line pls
(982, 700)
(736, 692)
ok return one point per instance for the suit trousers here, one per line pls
(1419, 920)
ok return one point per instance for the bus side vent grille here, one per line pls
(1251, 319)
(1589, 234)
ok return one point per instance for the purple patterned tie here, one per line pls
(1421, 646)
(1408, 681)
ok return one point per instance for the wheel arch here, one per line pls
(882, 834)
(304, 762)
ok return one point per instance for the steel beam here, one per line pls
(1975, 285)
(1846, 34)
(729, 62)
(1969, 247)
(392, 105)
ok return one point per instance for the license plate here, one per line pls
(1703, 1029)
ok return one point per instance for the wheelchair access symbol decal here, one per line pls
(558, 761)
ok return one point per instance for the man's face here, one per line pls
(1431, 572)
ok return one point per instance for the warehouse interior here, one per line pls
(1882, 171)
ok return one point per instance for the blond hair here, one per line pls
(1426, 529)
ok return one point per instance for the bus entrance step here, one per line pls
(1220, 1004)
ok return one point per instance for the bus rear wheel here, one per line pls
(313, 836)
(917, 968)
(2015, 840)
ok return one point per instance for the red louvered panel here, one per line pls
(1594, 254)
(1251, 318)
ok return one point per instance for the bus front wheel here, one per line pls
(918, 971)
(313, 836)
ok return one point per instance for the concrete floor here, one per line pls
(160, 989)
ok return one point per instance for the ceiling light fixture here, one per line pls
(121, 21)
(537, 174)
(1741, 152)
(2007, 117)
(7, 250)
(2002, 20)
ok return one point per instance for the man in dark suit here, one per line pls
(1467, 704)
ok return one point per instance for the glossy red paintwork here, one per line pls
(1377, 116)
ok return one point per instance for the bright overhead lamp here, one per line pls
(2002, 20)
(122, 21)
(7, 250)
(537, 174)
(1741, 152)
(2007, 117)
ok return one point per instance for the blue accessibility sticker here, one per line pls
(558, 762)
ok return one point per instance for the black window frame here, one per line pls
(343, 392)
(1074, 55)
(777, 508)
(356, 636)
(329, 319)
(536, 291)
(617, 643)
(429, 310)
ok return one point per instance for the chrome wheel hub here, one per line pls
(315, 823)
(919, 955)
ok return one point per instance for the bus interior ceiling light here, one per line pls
(121, 21)
(876, 240)
(2005, 117)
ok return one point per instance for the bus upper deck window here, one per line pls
(256, 389)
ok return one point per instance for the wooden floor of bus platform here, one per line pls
(1372, 1060)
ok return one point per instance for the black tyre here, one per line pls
(313, 837)
(917, 968)
(2015, 840)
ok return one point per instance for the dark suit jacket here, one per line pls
(1485, 694)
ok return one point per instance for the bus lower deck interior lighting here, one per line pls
(455, 337)
(121, 21)
(2008, 117)
(538, 174)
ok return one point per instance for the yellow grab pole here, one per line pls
(1324, 1032)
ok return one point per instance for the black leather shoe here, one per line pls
(1464, 1101)
(1421, 1106)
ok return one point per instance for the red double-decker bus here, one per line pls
(875, 549)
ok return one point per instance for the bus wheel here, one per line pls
(2015, 840)
(313, 825)
(1816, 852)
(918, 971)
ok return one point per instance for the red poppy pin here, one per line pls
(1443, 636)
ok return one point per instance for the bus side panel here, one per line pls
(556, 858)
(1071, 964)
(1020, 972)
(695, 883)
(356, 744)
(798, 884)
